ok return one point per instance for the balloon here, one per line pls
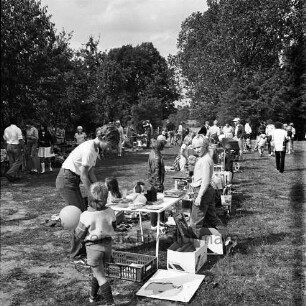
(70, 217)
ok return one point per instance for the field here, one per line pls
(267, 267)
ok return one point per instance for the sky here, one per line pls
(120, 22)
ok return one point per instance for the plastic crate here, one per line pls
(131, 266)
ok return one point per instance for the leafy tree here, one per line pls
(33, 57)
(230, 55)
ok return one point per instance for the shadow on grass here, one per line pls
(246, 246)
(297, 196)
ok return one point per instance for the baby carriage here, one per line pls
(231, 154)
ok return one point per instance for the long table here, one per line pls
(161, 206)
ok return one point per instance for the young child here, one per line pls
(96, 228)
(261, 143)
(113, 189)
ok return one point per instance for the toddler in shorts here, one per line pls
(96, 228)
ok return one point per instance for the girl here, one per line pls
(96, 228)
(203, 211)
(113, 189)
(261, 143)
(45, 143)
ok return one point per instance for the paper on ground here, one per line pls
(184, 285)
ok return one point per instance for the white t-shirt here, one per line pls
(12, 134)
(83, 155)
(278, 137)
(99, 223)
(270, 129)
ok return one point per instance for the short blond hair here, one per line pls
(201, 138)
(98, 195)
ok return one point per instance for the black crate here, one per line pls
(131, 266)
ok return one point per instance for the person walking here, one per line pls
(269, 131)
(280, 138)
(77, 168)
(14, 147)
(31, 146)
(45, 151)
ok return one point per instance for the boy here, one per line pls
(96, 228)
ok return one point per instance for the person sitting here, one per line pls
(113, 189)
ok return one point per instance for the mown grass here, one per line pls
(268, 217)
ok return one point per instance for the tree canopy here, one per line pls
(239, 58)
(44, 79)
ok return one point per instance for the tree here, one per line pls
(233, 48)
(33, 57)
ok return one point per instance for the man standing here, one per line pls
(79, 166)
(248, 132)
(238, 135)
(31, 146)
(293, 135)
(120, 130)
(14, 141)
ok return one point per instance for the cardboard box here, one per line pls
(190, 262)
(213, 240)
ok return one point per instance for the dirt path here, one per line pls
(268, 217)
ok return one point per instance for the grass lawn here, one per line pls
(269, 218)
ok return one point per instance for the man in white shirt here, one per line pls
(14, 146)
(248, 132)
(79, 166)
(279, 137)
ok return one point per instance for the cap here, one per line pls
(236, 119)
(79, 128)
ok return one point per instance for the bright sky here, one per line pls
(122, 22)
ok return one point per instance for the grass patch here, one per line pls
(268, 216)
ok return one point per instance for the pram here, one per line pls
(230, 154)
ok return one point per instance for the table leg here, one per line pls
(157, 237)
(141, 229)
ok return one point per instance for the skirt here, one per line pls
(45, 152)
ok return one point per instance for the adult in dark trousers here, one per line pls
(31, 146)
(77, 168)
(14, 147)
(280, 138)
(269, 131)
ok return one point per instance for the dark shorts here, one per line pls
(98, 253)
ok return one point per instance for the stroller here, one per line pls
(231, 154)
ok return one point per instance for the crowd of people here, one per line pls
(91, 242)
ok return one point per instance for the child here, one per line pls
(261, 143)
(113, 189)
(96, 228)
